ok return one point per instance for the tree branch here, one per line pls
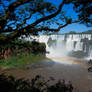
(28, 17)
(16, 4)
(47, 17)
(16, 34)
(31, 26)
(67, 24)
(41, 20)
(52, 29)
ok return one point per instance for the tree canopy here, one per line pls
(84, 8)
(19, 17)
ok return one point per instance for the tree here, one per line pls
(84, 10)
(14, 17)
(72, 32)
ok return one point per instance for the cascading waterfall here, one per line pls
(90, 54)
(60, 46)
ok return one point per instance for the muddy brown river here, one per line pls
(75, 72)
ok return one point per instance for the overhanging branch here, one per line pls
(52, 29)
(46, 17)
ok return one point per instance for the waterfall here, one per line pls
(62, 45)
(90, 54)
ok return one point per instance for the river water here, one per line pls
(72, 70)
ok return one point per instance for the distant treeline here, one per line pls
(71, 32)
(86, 32)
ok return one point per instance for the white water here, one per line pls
(90, 55)
(64, 44)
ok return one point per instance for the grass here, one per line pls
(20, 60)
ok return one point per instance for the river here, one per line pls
(72, 70)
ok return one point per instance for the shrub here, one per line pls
(37, 84)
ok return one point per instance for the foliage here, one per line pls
(84, 8)
(90, 67)
(37, 84)
(87, 32)
(21, 47)
(24, 17)
(72, 32)
(20, 61)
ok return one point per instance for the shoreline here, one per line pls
(77, 74)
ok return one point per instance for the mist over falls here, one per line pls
(74, 45)
(67, 45)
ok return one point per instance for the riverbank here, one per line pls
(76, 73)
(21, 61)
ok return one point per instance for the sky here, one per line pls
(70, 12)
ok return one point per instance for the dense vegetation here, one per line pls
(37, 84)
(21, 53)
(20, 47)
(21, 61)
